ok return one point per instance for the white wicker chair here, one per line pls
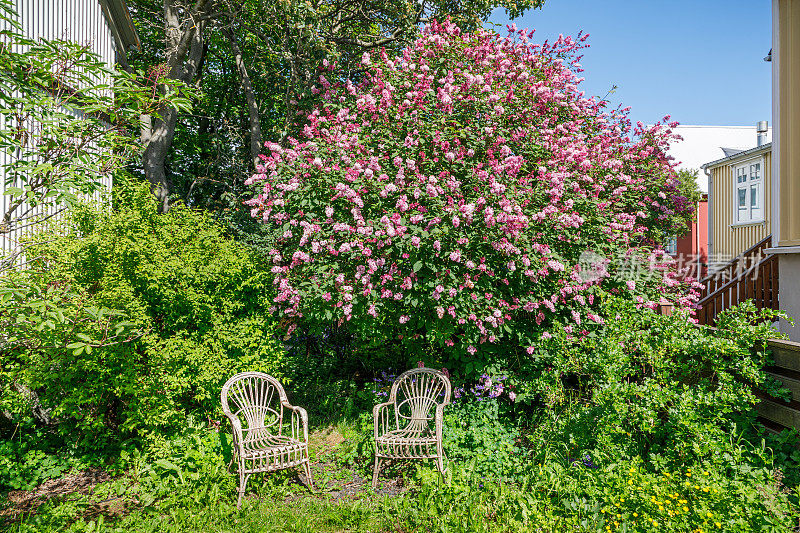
(405, 431)
(256, 403)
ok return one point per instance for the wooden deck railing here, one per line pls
(753, 275)
(735, 266)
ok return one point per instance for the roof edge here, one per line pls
(709, 126)
(119, 20)
(741, 155)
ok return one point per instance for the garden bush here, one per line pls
(481, 430)
(466, 198)
(194, 306)
(650, 385)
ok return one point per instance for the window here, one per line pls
(749, 192)
(672, 246)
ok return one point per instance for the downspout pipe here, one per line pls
(710, 215)
(697, 242)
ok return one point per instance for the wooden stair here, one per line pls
(752, 275)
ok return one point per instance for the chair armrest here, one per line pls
(381, 415)
(439, 420)
(238, 440)
(299, 422)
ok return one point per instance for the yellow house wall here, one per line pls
(728, 238)
(788, 37)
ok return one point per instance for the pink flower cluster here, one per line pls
(452, 191)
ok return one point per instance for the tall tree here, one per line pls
(184, 24)
(254, 62)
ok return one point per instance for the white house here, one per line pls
(702, 144)
(105, 26)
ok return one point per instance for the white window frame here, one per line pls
(748, 178)
(671, 246)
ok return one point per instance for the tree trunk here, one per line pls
(252, 104)
(160, 138)
(184, 53)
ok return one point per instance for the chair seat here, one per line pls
(408, 436)
(261, 445)
(407, 444)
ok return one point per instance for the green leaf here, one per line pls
(167, 465)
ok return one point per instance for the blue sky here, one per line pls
(701, 61)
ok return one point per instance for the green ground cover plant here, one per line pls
(605, 456)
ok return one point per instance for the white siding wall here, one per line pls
(81, 21)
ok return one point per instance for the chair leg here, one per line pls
(309, 481)
(376, 470)
(243, 478)
(440, 467)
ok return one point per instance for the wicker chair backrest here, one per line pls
(416, 393)
(255, 399)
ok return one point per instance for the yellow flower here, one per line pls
(696, 487)
(705, 489)
(708, 514)
(635, 515)
(717, 524)
(685, 509)
(705, 473)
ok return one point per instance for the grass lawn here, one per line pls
(186, 487)
(91, 500)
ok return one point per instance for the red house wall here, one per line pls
(692, 247)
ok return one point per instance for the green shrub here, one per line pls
(23, 469)
(197, 304)
(649, 386)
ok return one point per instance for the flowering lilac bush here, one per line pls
(468, 196)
